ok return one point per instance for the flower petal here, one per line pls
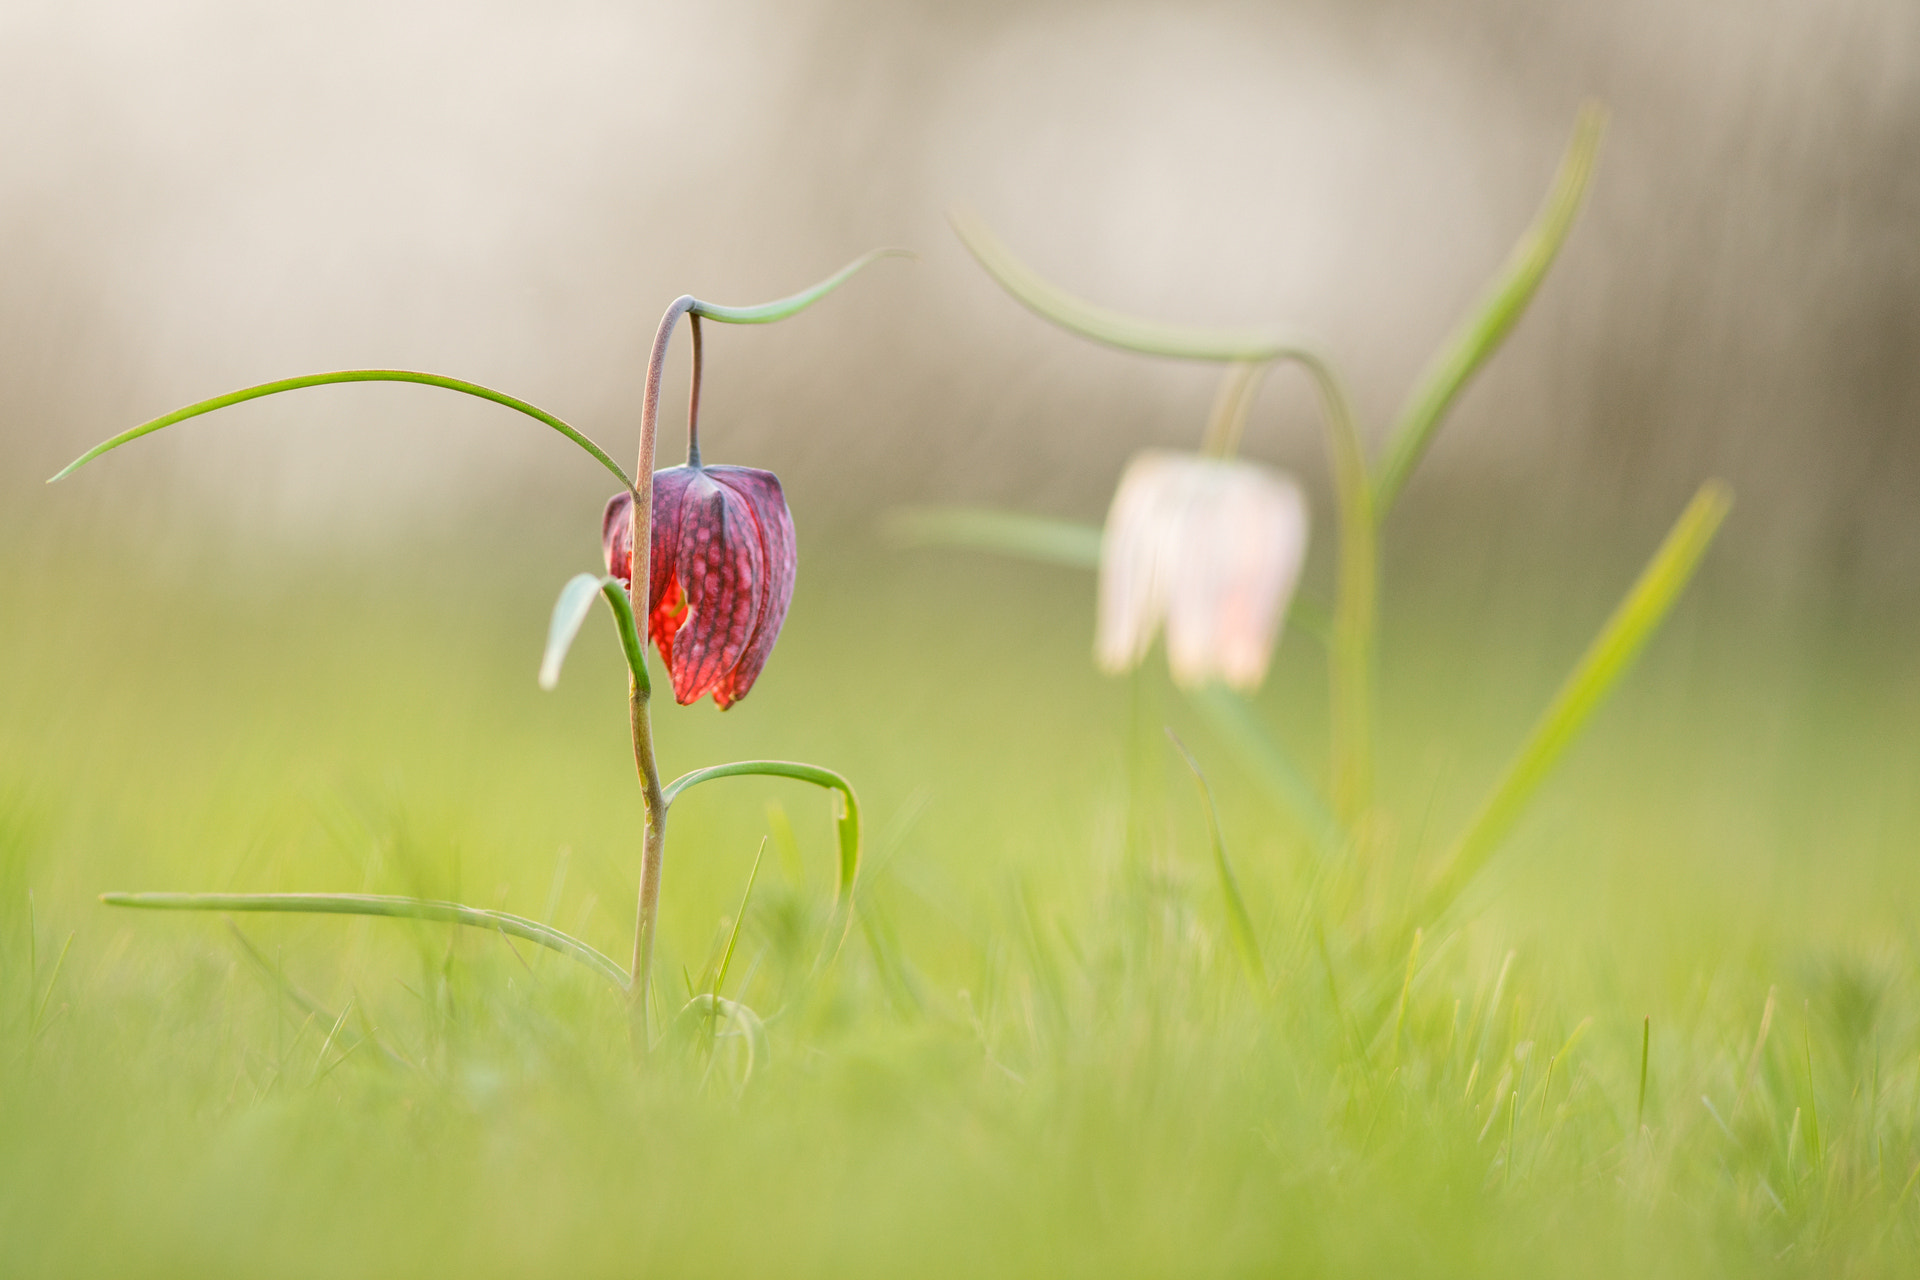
(773, 524)
(1136, 556)
(1242, 542)
(718, 563)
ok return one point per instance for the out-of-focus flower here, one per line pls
(1212, 547)
(721, 575)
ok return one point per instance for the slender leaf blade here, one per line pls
(1068, 543)
(569, 613)
(346, 375)
(1606, 659)
(1239, 922)
(1499, 309)
(1116, 329)
(846, 822)
(375, 904)
(793, 304)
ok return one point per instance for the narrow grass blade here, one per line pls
(1599, 669)
(733, 936)
(846, 824)
(1068, 543)
(1230, 717)
(348, 375)
(1239, 923)
(374, 904)
(1646, 1045)
(1112, 327)
(768, 312)
(1499, 310)
(40, 1011)
(570, 612)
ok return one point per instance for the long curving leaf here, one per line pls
(1068, 543)
(375, 904)
(1115, 328)
(1494, 317)
(1230, 717)
(846, 824)
(347, 375)
(1599, 669)
(768, 312)
(570, 611)
(1239, 922)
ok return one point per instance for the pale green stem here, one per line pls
(1227, 423)
(1350, 655)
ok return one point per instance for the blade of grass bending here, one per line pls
(375, 904)
(793, 304)
(570, 611)
(1239, 923)
(1116, 329)
(733, 936)
(348, 375)
(1599, 669)
(1500, 308)
(846, 825)
(1068, 543)
(1231, 718)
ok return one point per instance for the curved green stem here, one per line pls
(793, 304)
(348, 375)
(1500, 308)
(1116, 329)
(375, 904)
(1350, 655)
(847, 824)
(1228, 421)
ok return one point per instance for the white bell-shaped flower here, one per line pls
(1212, 547)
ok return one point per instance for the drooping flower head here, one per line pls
(721, 575)
(1212, 547)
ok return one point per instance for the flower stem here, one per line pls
(638, 695)
(1228, 421)
(693, 396)
(1351, 653)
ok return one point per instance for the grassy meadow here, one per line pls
(1036, 1049)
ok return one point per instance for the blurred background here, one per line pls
(202, 194)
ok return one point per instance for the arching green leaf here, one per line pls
(349, 375)
(846, 824)
(768, 312)
(374, 904)
(1506, 299)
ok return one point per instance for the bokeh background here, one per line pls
(202, 194)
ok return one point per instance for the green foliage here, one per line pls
(540, 415)
(570, 611)
(1481, 334)
(846, 820)
(1043, 1057)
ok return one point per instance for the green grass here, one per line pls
(1038, 1050)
